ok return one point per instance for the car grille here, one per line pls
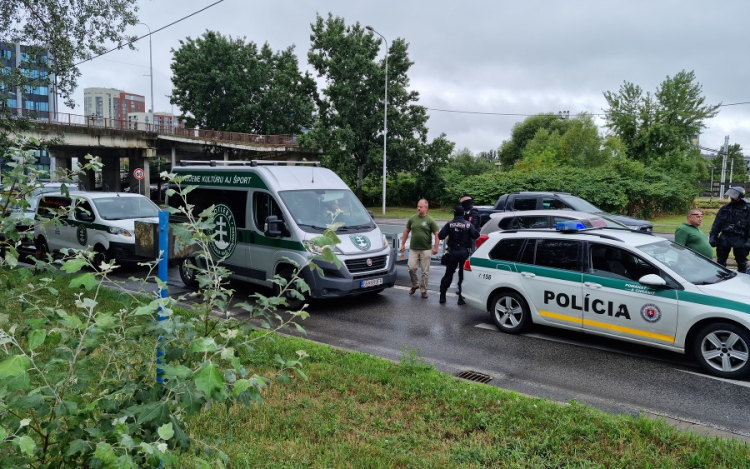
(360, 265)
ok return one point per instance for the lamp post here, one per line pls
(151, 70)
(385, 113)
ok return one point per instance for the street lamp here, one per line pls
(151, 71)
(385, 113)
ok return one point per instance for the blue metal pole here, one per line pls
(162, 273)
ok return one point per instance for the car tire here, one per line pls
(188, 272)
(43, 248)
(723, 350)
(292, 302)
(510, 312)
(101, 256)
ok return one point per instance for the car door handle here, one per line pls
(592, 284)
(528, 274)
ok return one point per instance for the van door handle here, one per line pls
(528, 274)
(592, 284)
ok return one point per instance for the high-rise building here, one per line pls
(40, 99)
(110, 103)
(34, 100)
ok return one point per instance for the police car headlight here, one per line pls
(118, 231)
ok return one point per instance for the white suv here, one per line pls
(621, 284)
(102, 222)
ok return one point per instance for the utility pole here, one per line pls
(724, 167)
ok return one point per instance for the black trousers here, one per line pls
(740, 256)
(456, 259)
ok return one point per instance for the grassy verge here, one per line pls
(361, 411)
(406, 212)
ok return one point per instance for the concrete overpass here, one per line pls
(72, 136)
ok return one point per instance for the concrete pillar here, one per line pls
(174, 156)
(226, 154)
(139, 160)
(111, 173)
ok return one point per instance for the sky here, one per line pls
(490, 63)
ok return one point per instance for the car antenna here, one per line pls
(106, 186)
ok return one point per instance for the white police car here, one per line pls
(616, 283)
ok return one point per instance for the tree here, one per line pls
(60, 35)
(349, 129)
(222, 83)
(735, 164)
(657, 129)
(511, 150)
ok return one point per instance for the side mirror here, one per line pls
(273, 226)
(652, 280)
(87, 217)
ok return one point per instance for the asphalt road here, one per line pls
(544, 362)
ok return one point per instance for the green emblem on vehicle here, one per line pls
(361, 242)
(225, 232)
(82, 235)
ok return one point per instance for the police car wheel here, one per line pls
(101, 256)
(43, 248)
(510, 312)
(723, 350)
(188, 273)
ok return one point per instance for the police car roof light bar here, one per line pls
(248, 163)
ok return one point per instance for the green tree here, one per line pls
(511, 150)
(221, 83)
(657, 129)
(735, 164)
(349, 129)
(60, 35)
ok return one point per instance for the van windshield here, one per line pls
(316, 210)
(124, 208)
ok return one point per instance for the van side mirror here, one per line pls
(83, 216)
(372, 215)
(273, 226)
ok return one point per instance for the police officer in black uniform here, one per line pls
(470, 213)
(461, 235)
(731, 229)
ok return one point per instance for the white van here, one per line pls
(266, 212)
(102, 222)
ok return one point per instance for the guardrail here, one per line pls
(161, 129)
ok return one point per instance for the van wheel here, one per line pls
(510, 312)
(101, 256)
(188, 274)
(723, 350)
(291, 301)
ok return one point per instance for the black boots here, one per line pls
(461, 300)
(442, 297)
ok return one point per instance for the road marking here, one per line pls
(726, 380)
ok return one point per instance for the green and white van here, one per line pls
(267, 211)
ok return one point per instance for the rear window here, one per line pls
(554, 253)
(507, 249)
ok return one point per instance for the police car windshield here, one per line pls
(691, 266)
(124, 208)
(315, 210)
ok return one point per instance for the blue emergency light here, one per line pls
(569, 226)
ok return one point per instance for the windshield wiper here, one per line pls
(315, 227)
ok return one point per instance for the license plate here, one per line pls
(373, 282)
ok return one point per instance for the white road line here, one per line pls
(730, 381)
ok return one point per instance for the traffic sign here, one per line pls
(138, 173)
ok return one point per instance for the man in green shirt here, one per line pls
(421, 248)
(691, 237)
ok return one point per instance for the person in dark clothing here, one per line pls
(731, 230)
(470, 213)
(461, 235)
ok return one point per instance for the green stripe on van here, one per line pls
(245, 236)
(221, 179)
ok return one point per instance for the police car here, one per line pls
(616, 283)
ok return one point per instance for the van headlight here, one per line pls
(385, 241)
(118, 231)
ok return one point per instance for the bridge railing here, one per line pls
(62, 118)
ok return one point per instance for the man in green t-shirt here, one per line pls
(691, 237)
(421, 248)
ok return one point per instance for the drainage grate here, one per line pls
(475, 376)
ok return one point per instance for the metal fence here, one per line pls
(162, 129)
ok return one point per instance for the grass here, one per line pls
(357, 410)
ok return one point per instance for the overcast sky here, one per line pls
(504, 57)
